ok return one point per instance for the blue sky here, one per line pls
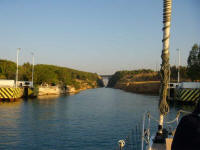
(100, 36)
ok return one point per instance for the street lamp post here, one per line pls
(178, 65)
(17, 66)
(32, 67)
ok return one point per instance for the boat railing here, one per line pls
(141, 137)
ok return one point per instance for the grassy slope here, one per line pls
(50, 74)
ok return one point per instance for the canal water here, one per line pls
(91, 120)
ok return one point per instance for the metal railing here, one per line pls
(140, 137)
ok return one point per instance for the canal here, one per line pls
(91, 120)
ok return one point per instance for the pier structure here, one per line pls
(10, 91)
(185, 92)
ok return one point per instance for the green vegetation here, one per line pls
(134, 75)
(183, 73)
(7, 69)
(194, 63)
(49, 74)
(65, 76)
(191, 72)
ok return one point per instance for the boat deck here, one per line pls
(166, 146)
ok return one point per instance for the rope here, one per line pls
(164, 71)
(183, 111)
(172, 121)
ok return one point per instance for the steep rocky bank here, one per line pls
(147, 87)
(83, 85)
(137, 81)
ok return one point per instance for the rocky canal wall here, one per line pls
(146, 87)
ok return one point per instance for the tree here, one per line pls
(183, 73)
(7, 69)
(45, 74)
(174, 73)
(25, 72)
(194, 63)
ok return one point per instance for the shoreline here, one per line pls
(57, 91)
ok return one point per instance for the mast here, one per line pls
(165, 71)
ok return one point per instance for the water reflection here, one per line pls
(12, 103)
(9, 122)
(93, 119)
(48, 97)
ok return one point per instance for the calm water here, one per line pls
(91, 120)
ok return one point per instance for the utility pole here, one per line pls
(178, 80)
(32, 67)
(156, 67)
(17, 67)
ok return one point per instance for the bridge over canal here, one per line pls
(105, 79)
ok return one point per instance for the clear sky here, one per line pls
(100, 36)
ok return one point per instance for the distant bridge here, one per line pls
(106, 79)
(106, 76)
